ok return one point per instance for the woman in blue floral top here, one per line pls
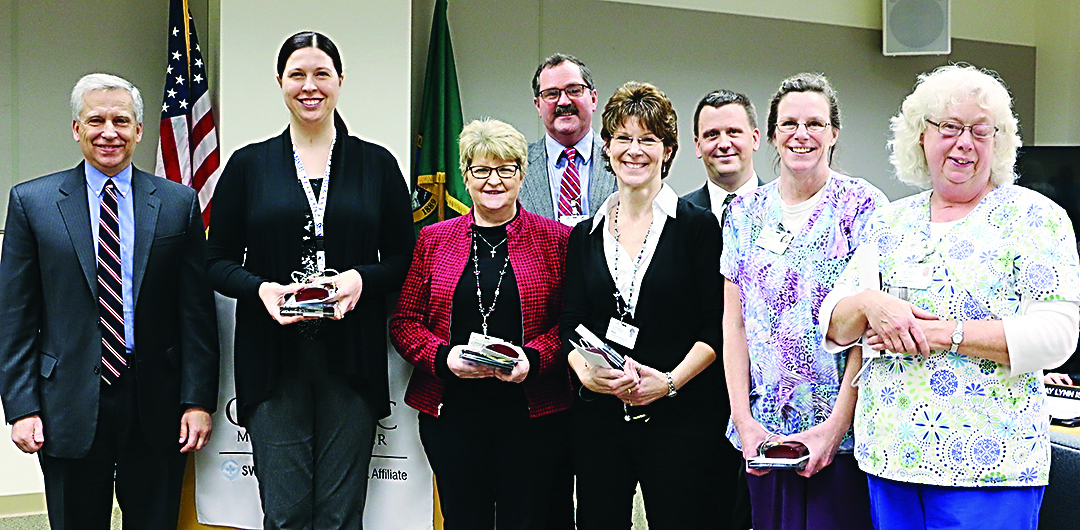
(965, 293)
(784, 247)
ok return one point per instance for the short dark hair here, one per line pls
(719, 98)
(805, 82)
(556, 60)
(308, 39)
(653, 110)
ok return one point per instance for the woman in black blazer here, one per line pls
(311, 205)
(643, 275)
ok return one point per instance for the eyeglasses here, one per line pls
(574, 91)
(645, 142)
(507, 171)
(952, 129)
(812, 126)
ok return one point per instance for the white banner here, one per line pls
(399, 480)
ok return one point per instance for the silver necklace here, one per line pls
(484, 314)
(493, 247)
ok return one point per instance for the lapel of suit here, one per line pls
(147, 207)
(601, 183)
(538, 192)
(75, 210)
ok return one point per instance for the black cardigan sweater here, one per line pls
(680, 303)
(258, 210)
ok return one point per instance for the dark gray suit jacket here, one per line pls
(535, 193)
(50, 341)
(701, 197)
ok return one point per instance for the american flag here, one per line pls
(188, 152)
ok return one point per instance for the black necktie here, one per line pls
(110, 288)
(724, 209)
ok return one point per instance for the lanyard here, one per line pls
(317, 204)
(626, 308)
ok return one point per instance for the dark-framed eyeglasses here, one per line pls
(952, 129)
(645, 141)
(505, 171)
(573, 91)
(812, 126)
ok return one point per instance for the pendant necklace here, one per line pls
(493, 247)
(484, 314)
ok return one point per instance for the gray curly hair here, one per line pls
(934, 93)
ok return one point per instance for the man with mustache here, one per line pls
(725, 138)
(566, 177)
(108, 331)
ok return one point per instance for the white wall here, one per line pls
(49, 46)
(1057, 101)
(1001, 21)
(373, 39)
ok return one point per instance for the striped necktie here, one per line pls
(110, 288)
(570, 189)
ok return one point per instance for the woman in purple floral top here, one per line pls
(784, 247)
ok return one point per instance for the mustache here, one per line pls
(566, 110)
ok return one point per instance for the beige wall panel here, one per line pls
(373, 38)
(687, 53)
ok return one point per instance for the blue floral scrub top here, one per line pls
(794, 383)
(951, 419)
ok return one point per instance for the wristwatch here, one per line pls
(957, 336)
(670, 385)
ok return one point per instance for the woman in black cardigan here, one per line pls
(643, 275)
(312, 202)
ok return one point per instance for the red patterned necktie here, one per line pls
(570, 189)
(110, 288)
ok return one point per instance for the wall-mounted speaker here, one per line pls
(915, 27)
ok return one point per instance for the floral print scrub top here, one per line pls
(951, 419)
(794, 383)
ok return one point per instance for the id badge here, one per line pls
(622, 333)
(913, 276)
(572, 220)
(479, 340)
(774, 240)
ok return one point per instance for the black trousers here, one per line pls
(677, 463)
(560, 512)
(148, 480)
(493, 471)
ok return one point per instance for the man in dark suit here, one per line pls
(108, 336)
(725, 138)
(566, 177)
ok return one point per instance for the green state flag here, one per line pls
(438, 191)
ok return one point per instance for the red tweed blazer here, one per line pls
(421, 324)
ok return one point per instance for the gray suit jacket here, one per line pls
(701, 196)
(535, 193)
(50, 341)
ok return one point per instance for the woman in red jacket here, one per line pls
(494, 276)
